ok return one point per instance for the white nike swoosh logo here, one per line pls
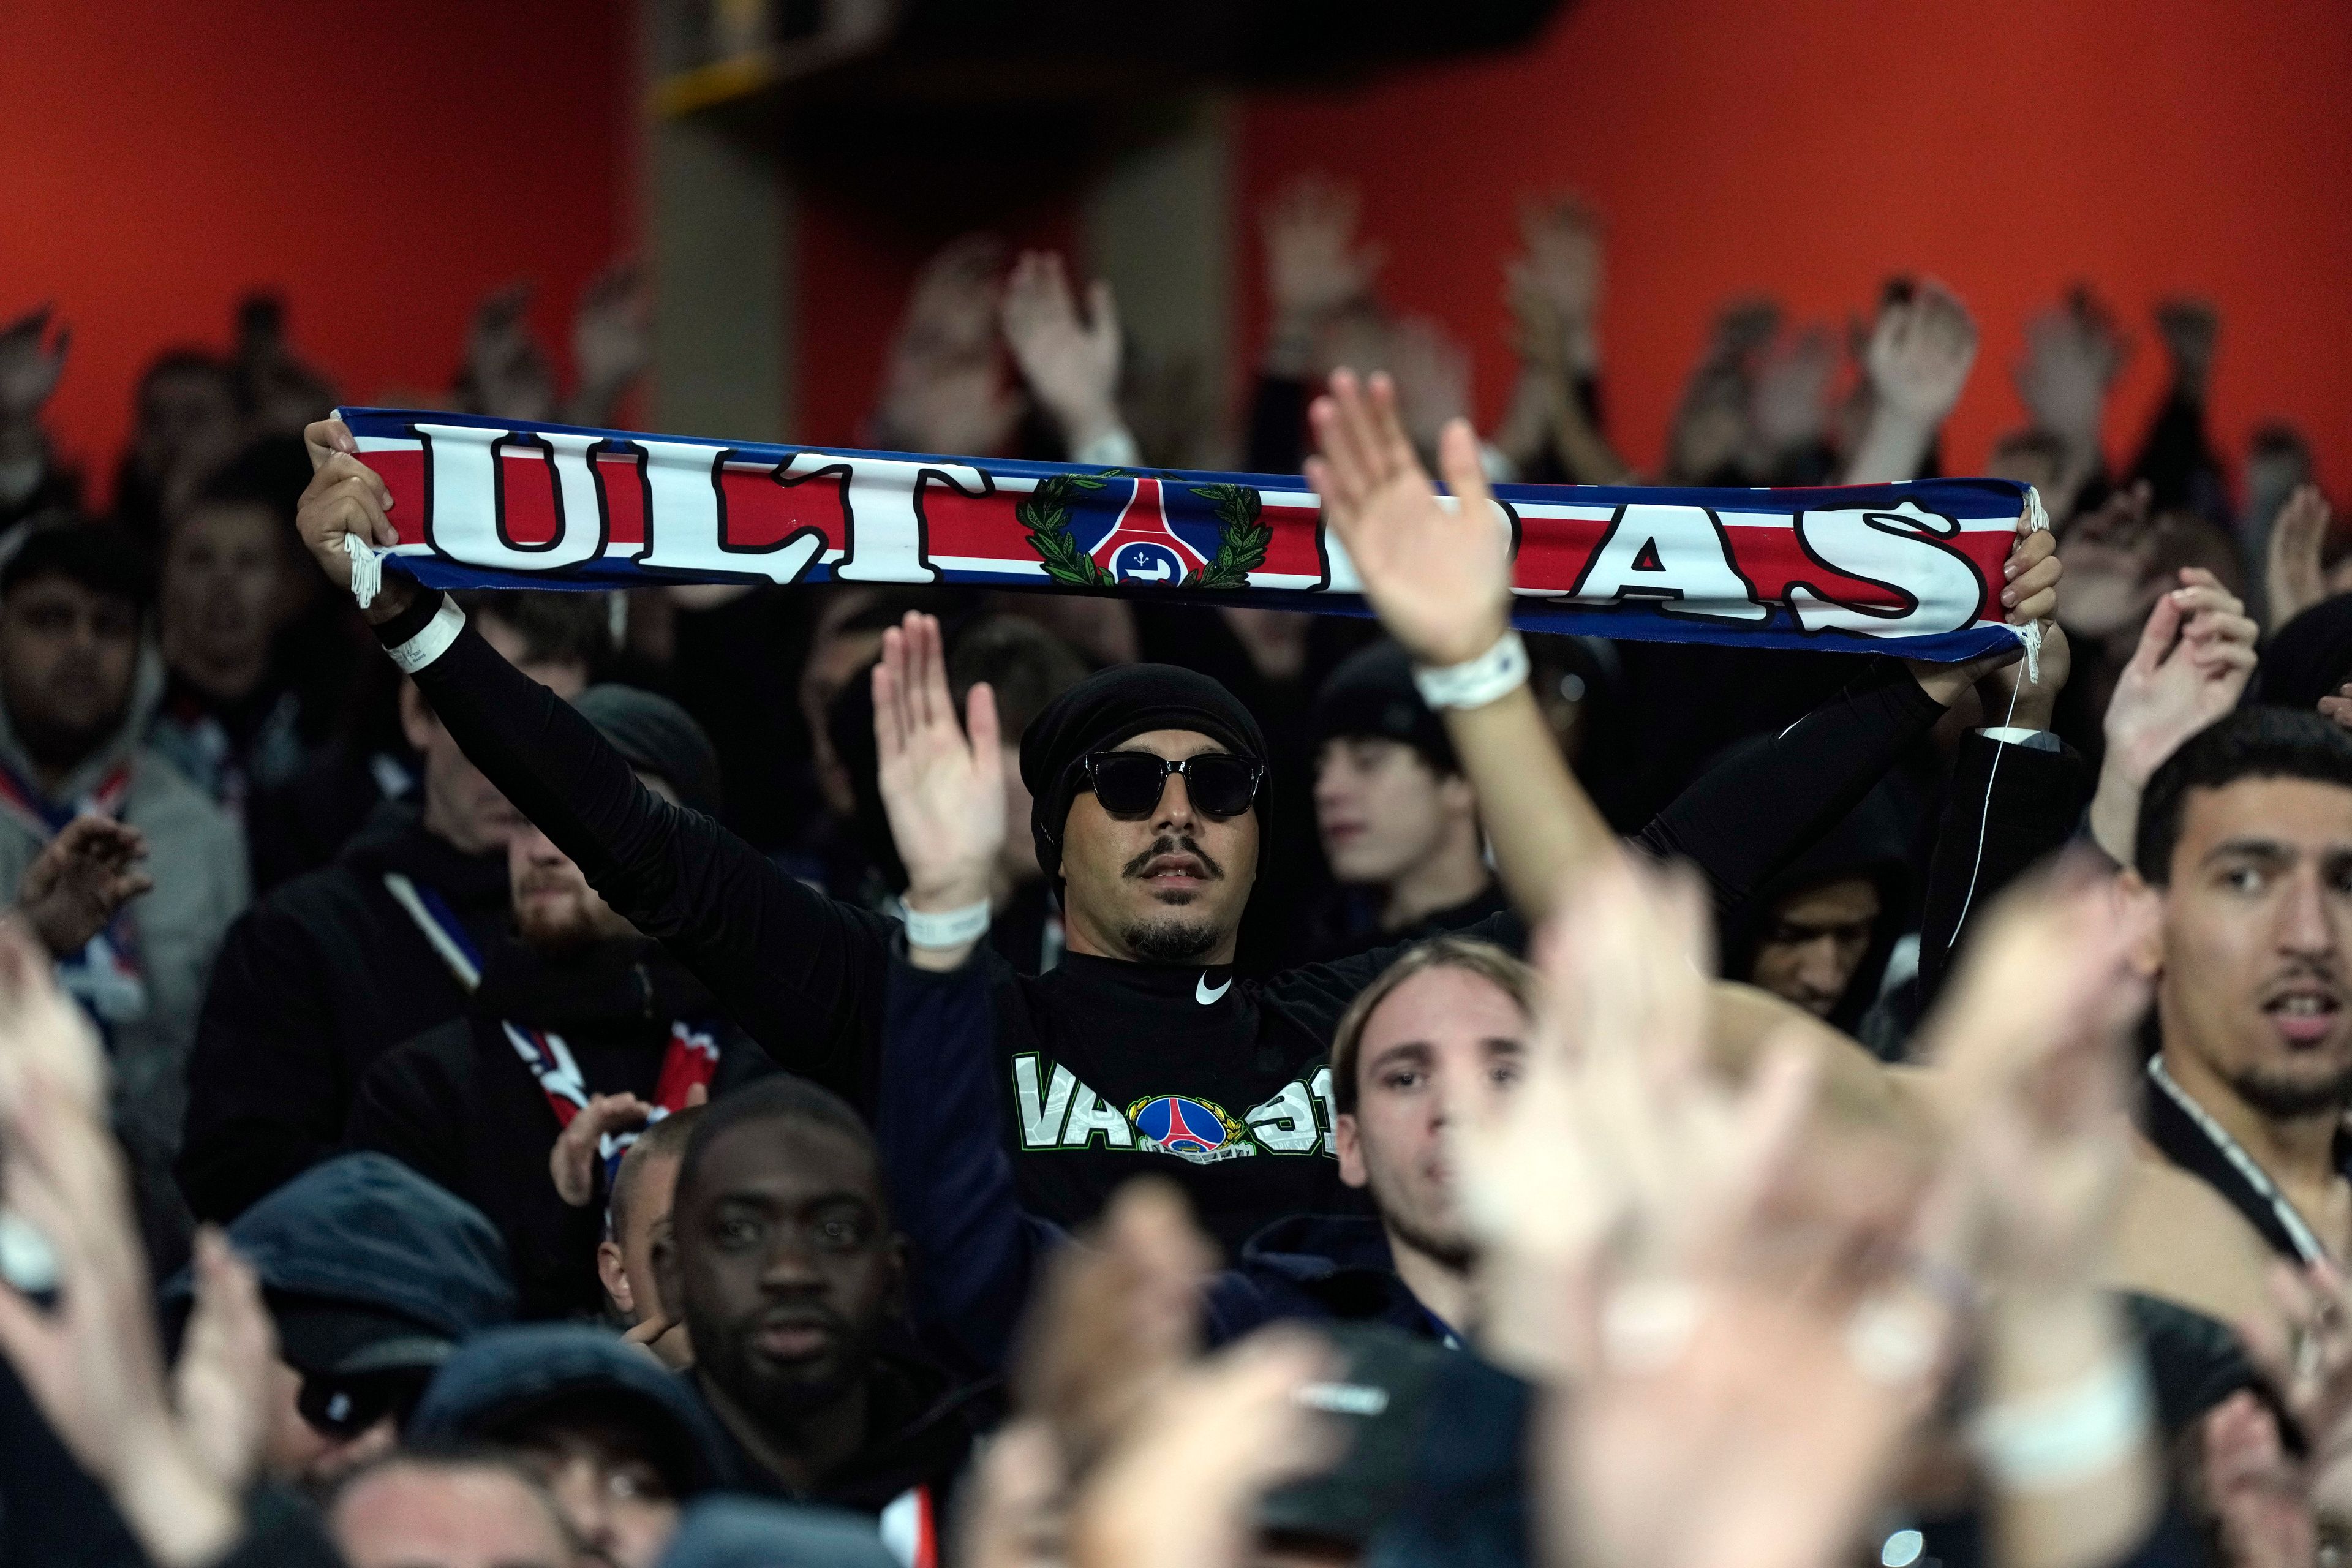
(1204, 996)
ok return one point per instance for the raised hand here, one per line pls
(45, 1038)
(1432, 372)
(1563, 268)
(1070, 362)
(2110, 556)
(80, 881)
(31, 360)
(2295, 577)
(2196, 654)
(612, 342)
(222, 1383)
(1789, 405)
(1438, 575)
(2071, 355)
(346, 498)
(1313, 268)
(951, 314)
(1917, 359)
(505, 369)
(2190, 328)
(572, 1163)
(942, 783)
(91, 1363)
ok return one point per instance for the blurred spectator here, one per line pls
(782, 1259)
(1819, 933)
(185, 415)
(1396, 818)
(335, 968)
(944, 388)
(618, 1443)
(617, 1032)
(447, 1510)
(372, 1276)
(78, 684)
(231, 720)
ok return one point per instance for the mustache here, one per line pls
(1174, 845)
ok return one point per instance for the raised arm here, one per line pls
(801, 973)
(1439, 576)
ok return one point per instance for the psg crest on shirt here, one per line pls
(1189, 1127)
(1117, 531)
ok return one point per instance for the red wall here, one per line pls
(1809, 147)
(383, 165)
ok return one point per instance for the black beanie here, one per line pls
(657, 735)
(1372, 693)
(1114, 705)
(2310, 658)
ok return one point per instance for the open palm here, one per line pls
(942, 783)
(1438, 575)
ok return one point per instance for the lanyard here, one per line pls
(690, 1058)
(2286, 1224)
(104, 976)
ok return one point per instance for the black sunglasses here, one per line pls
(1128, 783)
(343, 1408)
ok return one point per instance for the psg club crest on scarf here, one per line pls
(1911, 569)
(1117, 531)
(1189, 1127)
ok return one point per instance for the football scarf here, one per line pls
(690, 1058)
(1912, 569)
(104, 976)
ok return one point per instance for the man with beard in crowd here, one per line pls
(1146, 781)
(782, 1259)
(580, 1024)
(338, 966)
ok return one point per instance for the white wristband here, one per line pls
(1114, 448)
(433, 641)
(2059, 1440)
(1474, 683)
(948, 928)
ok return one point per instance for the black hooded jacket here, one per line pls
(1116, 1069)
(1871, 844)
(312, 984)
(458, 1105)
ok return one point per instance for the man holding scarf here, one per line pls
(1148, 782)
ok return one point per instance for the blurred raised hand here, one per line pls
(2294, 577)
(612, 342)
(2073, 352)
(507, 374)
(1070, 360)
(571, 1162)
(91, 1363)
(222, 1384)
(1563, 264)
(2195, 655)
(1916, 360)
(1438, 574)
(1789, 402)
(945, 388)
(1431, 373)
(2191, 330)
(1314, 267)
(32, 358)
(80, 881)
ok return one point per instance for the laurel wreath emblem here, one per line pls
(1241, 547)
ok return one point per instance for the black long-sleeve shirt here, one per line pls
(1116, 1069)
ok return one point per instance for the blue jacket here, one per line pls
(938, 1113)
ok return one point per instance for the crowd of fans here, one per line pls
(844, 1074)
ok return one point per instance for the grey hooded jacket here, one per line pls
(195, 853)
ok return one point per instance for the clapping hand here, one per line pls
(1071, 363)
(1438, 575)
